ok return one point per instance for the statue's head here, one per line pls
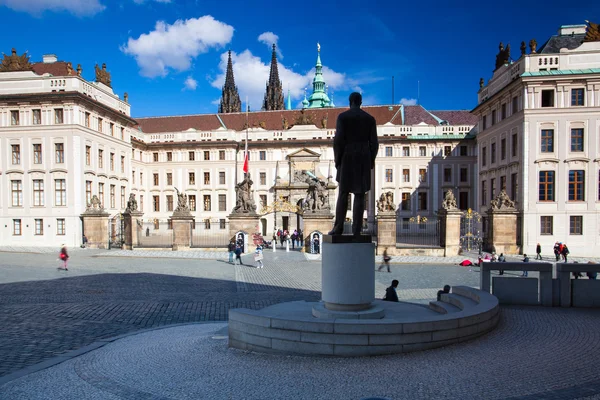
(355, 99)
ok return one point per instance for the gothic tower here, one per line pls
(274, 94)
(230, 98)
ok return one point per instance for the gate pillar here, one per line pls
(450, 231)
(386, 232)
(95, 224)
(131, 220)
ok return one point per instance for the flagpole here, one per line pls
(246, 155)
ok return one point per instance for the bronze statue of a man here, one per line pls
(355, 147)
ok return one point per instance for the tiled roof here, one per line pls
(58, 68)
(555, 43)
(270, 120)
(457, 117)
(414, 115)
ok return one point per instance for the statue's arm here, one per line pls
(373, 142)
(339, 142)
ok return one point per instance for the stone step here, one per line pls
(459, 301)
(443, 308)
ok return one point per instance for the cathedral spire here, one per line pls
(274, 93)
(319, 98)
(230, 98)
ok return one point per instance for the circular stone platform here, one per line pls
(291, 328)
(320, 311)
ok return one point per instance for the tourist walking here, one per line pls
(231, 249)
(64, 257)
(557, 251)
(564, 252)
(258, 257)
(386, 261)
(390, 292)
(538, 252)
(501, 258)
(238, 254)
(525, 259)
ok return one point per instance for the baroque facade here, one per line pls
(538, 136)
(64, 139)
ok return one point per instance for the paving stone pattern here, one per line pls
(45, 312)
(535, 353)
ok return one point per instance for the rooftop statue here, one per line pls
(14, 62)
(102, 75)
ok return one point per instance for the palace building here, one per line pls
(65, 139)
(539, 137)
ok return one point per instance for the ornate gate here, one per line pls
(116, 232)
(471, 232)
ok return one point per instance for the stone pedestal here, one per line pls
(315, 222)
(502, 232)
(450, 231)
(95, 228)
(386, 232)
(131, 220)
(182, 231)
(243, 223)
(348, 273)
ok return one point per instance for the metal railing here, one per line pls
(214, 236)
(418, 232)
(155, 234)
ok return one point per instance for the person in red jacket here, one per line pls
(64, 257)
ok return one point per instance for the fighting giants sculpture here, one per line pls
(386, 202)
(244, 202)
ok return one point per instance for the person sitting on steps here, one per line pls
(390, 292)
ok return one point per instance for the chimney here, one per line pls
(49, 58)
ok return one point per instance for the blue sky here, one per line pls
(170, 55)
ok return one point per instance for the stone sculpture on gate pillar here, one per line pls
(450, 216)
(502, 228)
(182, 223)
(386, 223)
(131, 219)
(95, 224)
(244, 203)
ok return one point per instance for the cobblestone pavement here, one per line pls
(535, 353)
(45, 312)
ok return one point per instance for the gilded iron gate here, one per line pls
(471, 231)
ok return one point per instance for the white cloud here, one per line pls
(190, 83)
(80, 8)
(174, 46)
(270, 39)
(158, 1)
(251, 74)
(408, 102)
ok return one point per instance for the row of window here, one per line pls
(60, 192)
(88, 159)
(576, 186)
(36, 119)
(547, 140)
(503, 150)
(39, 227)
(389, 151)
(575, 225)
(447, 175)
(36, 116)
(59, 153)
(513, 193)
(497, 117)
(206, 202)
(192, 155)
(112, 193)
(577, 97)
